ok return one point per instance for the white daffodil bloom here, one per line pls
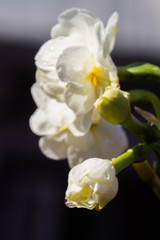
(91, 184)
(73, 70)
(75, 66)
(63, 134)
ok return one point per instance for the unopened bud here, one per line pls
(114, 105)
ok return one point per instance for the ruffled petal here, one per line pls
(83, 24)
(54, 148)
(39, 97)
(51, 113)
(102, 141)
(73, 21)
(81, 124)
(74, 64)
(110, 34)
(108, 140)
(51, 84)
(112, 72)
(80, 148)
(47, 56)
(41, 125)
(80, 98)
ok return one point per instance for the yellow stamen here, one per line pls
(63, 128)
(97, 76)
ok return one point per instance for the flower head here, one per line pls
(73, 69)
(75, 65)
(91, 184)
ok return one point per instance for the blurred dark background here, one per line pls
(32, 186)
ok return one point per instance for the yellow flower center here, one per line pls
(79, 198)
(63, 128)
(97, 76)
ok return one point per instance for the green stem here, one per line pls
(139, 72)
(144, 131)
(134, 155)
(138, 95)
(137, 157)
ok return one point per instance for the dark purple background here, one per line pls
(33, 187)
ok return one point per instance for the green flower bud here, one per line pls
(114, 105)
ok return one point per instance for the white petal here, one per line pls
(108, 193)
(74, 156)
(81, 124)
(95, 169)
(40, 124)
(96, 118)
(53, 148)
(78, 149)
(83, 24)
(74, 21)
(110, 35)
(38, 95)
(51, 84)
(80, 98)
(72, 13)
(74, 64)
(100, 169)
(102, 141)
(112, 71)
(51, 118)
(47, 56)
(109, 140)
(60, 114)
(51, 115)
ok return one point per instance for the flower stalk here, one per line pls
(144, 131)
(139, 95)
(139, 71)
(137, 154)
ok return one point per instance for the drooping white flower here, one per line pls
(63, 136)
(75, 65)
(91, 184)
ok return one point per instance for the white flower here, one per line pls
(91, 184)
(73, 69)
(75, 65)
(63, 134)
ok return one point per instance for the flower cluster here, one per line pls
(73, 70)
(80, 106)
